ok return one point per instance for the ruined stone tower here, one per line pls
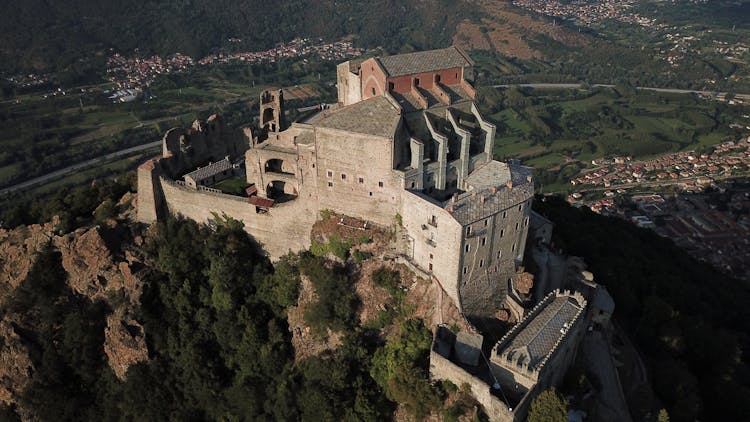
(272, 111)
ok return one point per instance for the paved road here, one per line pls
(88, 163)
(644, 88)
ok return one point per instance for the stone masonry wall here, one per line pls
(147, 181)
(435, 244)
(285, 227)
(443, 369)
(355, 175)
(489, 256)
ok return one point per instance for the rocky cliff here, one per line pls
(101, 263)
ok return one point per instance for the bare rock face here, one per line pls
(124, 343)
(96, 273)
(126, 207)
(96, 268)
(15, 365)
(88, 262)
(18, 249)
(92, 269)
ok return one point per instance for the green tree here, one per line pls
(663, 416)
(400, 368)
(548, 406)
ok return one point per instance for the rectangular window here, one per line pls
(430, 256)
(464, 270)
(466, 248)
(502, 231)
(330, 173)
(499, 254)
(514, 247)
(505, 214)
(330, 184)
(516, 226)
(486, 220)
(484, 241)
(361, 180)
(343, 176)
(430, 266)
(481, 263)
(468, 230)
(380, 184)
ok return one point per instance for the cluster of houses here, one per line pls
(137, 72)
(588, 13)
(28, 80)
(687, 168)
(298, 47)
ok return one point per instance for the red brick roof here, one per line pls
(261, 202)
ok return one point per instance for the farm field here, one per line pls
(561, 131)
(44, 131)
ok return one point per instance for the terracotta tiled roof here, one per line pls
(424, 61)
(261, 202)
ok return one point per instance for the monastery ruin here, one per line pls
(405, 139)
(404, 145)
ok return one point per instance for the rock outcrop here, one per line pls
(15, 365)
(124, 343)
(98, 264)
(99, 274)
(18, 249)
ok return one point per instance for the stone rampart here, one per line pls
(283, 228)
(497, 411)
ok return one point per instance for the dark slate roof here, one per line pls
(210, 170)
(375, 116)
(490, 182)
(424, 61)
(538, 338)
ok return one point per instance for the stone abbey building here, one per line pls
(405, 139)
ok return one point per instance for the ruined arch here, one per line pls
(281, 191)
(277, 165)
(267, 116)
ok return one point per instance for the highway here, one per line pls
(644, 88)
(82, 165)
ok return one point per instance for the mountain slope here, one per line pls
(42, 33)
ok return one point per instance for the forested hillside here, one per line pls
(57, 33)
